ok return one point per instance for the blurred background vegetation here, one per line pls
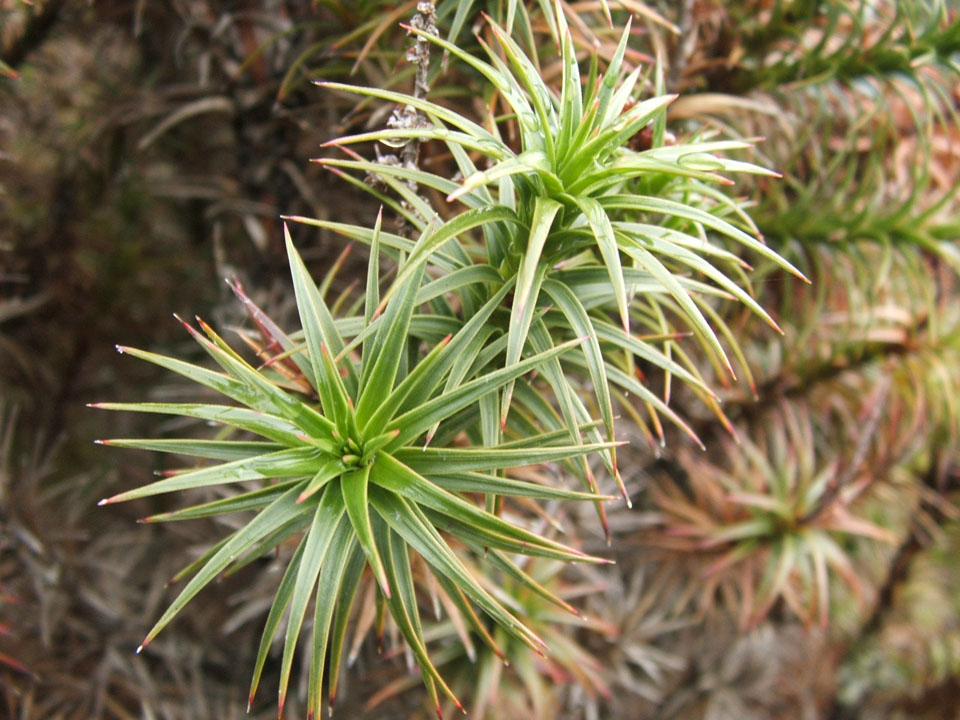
(806, 565)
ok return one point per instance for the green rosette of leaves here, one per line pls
(599, 240)
(355, 477)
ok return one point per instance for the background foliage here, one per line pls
(803, 565)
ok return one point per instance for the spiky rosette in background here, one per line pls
(767, 524)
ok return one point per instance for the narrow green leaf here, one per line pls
(448, 116)
(210, 449)
(293, 527)
(318, 324)
(427, 461)
(269, 426)
(373, 274)
(456, 280)
(274, 515)
(544, 212)
(539, 93)
(634, 387)
(388, 348)
(330, 586)
(693, 260)
(526, 162)
(354, 487)
(253, 500)
(334, 396)
(374, 445)
(405, 613)
(582, 326)
(574, 413)
(610, 252)
(529, 279)
(472, 482)
(292, 462)
(459, 20)
(490, 148)
(270, 400)
(571, 98)
(327, 520)
(327, 470)
(382, 170)
(456, 358)
(353, 573)
(280, 602)
(611, 77)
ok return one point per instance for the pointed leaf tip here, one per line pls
(103, 501)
